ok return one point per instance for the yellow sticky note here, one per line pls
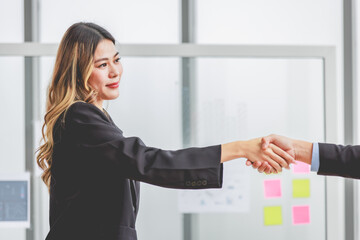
(301, 188)
(272, 216)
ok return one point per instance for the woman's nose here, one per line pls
(114, 72)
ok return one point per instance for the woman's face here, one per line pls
(106, 74)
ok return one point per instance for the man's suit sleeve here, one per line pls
(102, 143)
(338, 160)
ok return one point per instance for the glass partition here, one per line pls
(12, 156)
(239, 99)
(12, 21)
(12, 127)
(129, 21)
(236, 99)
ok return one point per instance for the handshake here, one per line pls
(269, 154)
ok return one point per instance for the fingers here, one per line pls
(277, 158)
(273, 163)
(273, 171)
(282, 153)
(256, 164)
(265, 141)
(268, 169)
(262, 167)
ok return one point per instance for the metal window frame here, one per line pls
(350, 113)
(188, 95)
(31, 71)
(33, 49)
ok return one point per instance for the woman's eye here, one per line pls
(102, 65)
(118, 59)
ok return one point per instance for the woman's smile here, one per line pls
(113, 85)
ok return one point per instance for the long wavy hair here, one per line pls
(69, 83)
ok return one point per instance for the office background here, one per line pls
(163, 83)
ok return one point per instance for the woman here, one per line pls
(93, 171)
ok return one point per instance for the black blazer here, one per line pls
(95, 174)
(338, 160)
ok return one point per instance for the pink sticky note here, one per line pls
(301, 215)
(272, 188)
(301, 167)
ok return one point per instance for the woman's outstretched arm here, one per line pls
(98, 145)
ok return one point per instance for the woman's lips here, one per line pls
(113, 85)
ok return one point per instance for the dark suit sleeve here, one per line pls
(338, 160)
(102, 144)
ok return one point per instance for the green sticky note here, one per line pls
(301, 188)
(272, 216)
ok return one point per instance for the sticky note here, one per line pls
(301, 167)
(301, 188)
(272, 216)
(272, 188)
(301, 215)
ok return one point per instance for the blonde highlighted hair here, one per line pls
(69, 83)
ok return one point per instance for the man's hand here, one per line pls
(277, 158)
(286, 144)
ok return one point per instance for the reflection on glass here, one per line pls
(251, 97)
(12, 21)
(129, 21)
(246, 98)
(12, 127)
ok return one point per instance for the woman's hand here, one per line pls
(262, 167)
(267, 160)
